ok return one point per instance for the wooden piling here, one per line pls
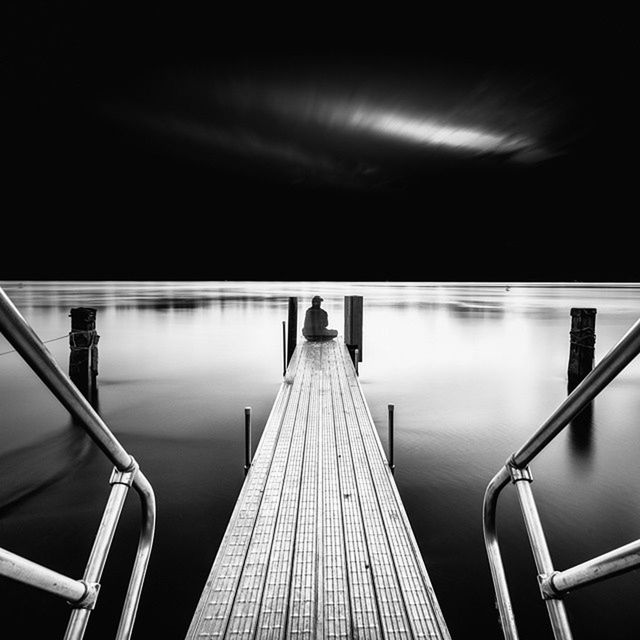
(582, 345)
(292, 336)
(83, 356)
(353, 325)
(392, 465)
(247, 439)
(284, 348)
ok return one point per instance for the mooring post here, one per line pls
(247, 439)
(284, 348)
(582, 345)
(353, 326)
(83, 343)
(292, 337)
(392, 466)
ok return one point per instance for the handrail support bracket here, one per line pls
(88, 601)
(548, 590)
(518, 474)
(126, 476)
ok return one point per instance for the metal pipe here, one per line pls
(120, 483)
(392, 466)
(247, 439)
(145, 543)
(555, 607)
(489, 507)
(77, 624)
(613, 563)
(25, 341)
(35, 575)
(606, 370)
(284, 348)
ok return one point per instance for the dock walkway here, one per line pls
(319, 544)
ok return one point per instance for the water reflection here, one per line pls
(581, 437)
(473, 370)
(477, 308)
(32, 469)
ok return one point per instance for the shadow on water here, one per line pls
(36, 467)
(33, 468)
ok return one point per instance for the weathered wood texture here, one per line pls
(83, 354)
(292, 335)
(582, 345)
(319, 544)
(353, 324)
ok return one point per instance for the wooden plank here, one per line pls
(414, 584)
(364, 609)
(319, 545)
(393, 618)
(272, 541)
(273, 617)
(303, 601)
(211, 616)
(334, 596)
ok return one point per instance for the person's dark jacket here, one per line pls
(316, 321)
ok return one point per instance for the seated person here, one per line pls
(315, 323)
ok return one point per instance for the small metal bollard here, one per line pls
(392, 466)
(247, 439)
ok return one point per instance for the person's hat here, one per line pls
(318, 298)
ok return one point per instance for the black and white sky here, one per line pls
(322, 142)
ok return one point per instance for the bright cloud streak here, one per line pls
(430, 132)
(425, 130)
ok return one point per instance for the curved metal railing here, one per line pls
(555, 584)
(82, 594)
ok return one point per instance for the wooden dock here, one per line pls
(319, 544)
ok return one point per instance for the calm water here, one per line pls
(472, 369)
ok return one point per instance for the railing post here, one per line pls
(120, 483)
(292, 336)
(83, 356)
(582, 345)
(143, 553)
(247, 439)
(392, 466)
(498, 575)
(555, 606)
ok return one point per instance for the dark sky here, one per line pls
(320, 142)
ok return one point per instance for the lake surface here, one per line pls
(473, 370)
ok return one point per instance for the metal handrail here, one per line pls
(555, 584)
(82, 594)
